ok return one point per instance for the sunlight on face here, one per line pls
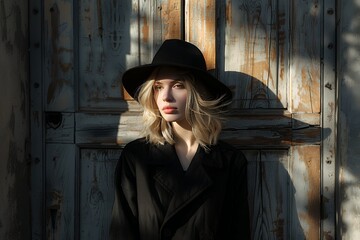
(170, 95)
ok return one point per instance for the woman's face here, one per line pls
(170, 96)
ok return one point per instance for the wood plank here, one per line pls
(305, 65)
(59, 127)
(271, 196)
(58, 56)
(259, 120)
(60, 189)
(36, 122)
(245, 130)
(105, 50)
(168, 20)
(304, 120)
(330, 113)
(107, 129)
(96, 194)
(251, 52)
(200, 28)
(305, 172)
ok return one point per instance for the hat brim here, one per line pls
(209, 87)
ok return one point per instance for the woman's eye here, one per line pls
(157, 87)
(179, 85)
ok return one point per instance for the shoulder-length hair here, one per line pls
(205, 116)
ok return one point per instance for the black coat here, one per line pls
(155, 199)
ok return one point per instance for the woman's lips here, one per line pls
(169, 110)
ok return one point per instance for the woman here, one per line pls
(179, 181)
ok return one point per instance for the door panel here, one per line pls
(267, 52)
(60, 189)
(58, 59)
(96, 193)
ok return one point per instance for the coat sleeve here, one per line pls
(241, 194)
(124, 222)
(237, 226)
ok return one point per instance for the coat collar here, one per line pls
(166, 153)
(184, 187)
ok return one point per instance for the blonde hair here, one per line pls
(204, 116)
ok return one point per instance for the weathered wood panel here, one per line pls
(253, 52)
(15, 212)
(168, 20)
(329, 123)
(60, 189)
(59, 127)
(271, 195)
(349, 127)
(97, 168)
(305, 56)
(107, 129)
(116, 35)
(104, 48)
(305, 172)
(246, 130)
(200, 28)
(36, 122)
(58, 56)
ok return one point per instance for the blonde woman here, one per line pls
(179, 181)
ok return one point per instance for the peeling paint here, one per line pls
(310, 155)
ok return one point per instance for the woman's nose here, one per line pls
(167, 96)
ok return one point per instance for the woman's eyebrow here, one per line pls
(176, 80)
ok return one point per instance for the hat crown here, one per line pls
(182, 54)
(177, 52)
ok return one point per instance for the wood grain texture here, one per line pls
(306, 174)
(271, 195)
(60, 189)
(267, 52)
(58, 56)
(305, 58)
(105, 51)
(254, 52)
(15, 163)
(200, 22)
(97, 168)
(347, 146)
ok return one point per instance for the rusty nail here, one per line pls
(36, 85)
(330, 46)
(328, 85)
(35, 11)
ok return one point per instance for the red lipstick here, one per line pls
(169, 110)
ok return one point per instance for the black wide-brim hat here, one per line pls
(182, 54)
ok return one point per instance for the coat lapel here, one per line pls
(185, 187)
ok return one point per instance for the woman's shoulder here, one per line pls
(135, 147)
(230, 152)
(140, 142)
(227, 147)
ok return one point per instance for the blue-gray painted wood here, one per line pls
(268, 57)
(14, 122)
(348, 53)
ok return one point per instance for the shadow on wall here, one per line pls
(284, 161)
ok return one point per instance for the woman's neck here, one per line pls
(185, 144)
(183, 134)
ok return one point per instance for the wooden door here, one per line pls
(269, 52)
